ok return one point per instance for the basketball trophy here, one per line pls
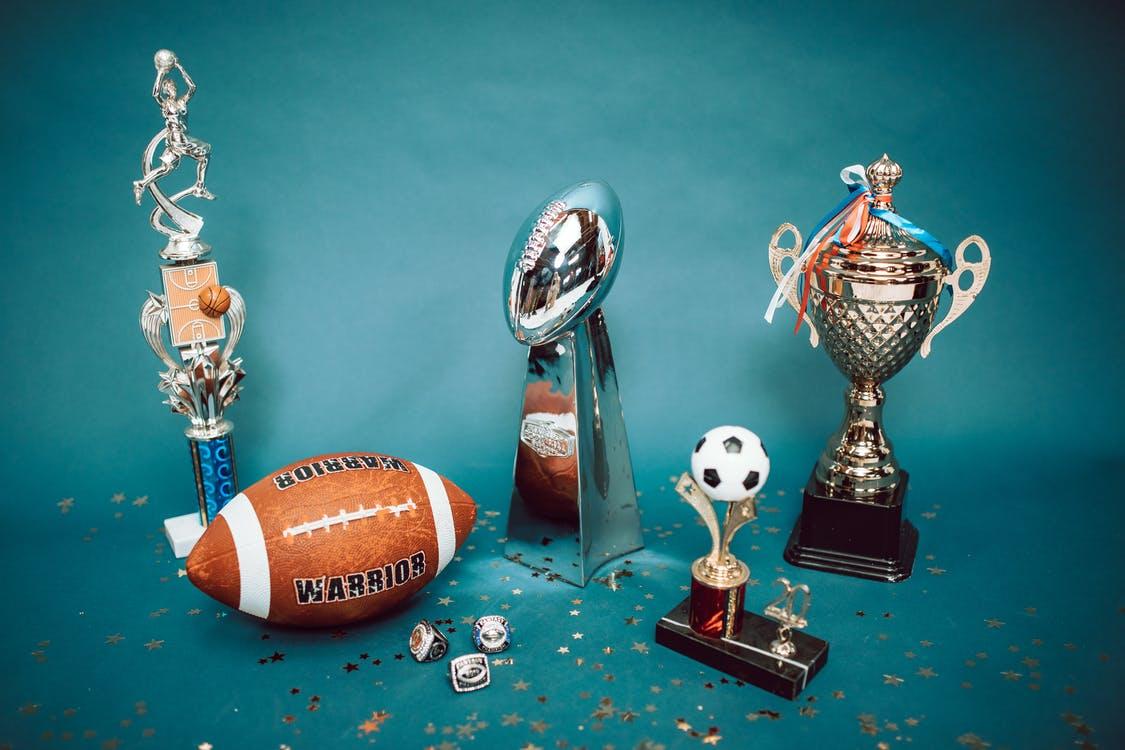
(194, 314)
(729, 465)
(868, 283)
(574, 504)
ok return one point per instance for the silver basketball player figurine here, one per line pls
(194, 312)
(183, 236)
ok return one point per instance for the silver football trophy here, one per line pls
(194, 314)
(574, 504)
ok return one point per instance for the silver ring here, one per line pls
(427, 643)
(491, 634)
(469, 672)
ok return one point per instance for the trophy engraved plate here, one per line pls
(574, 503)
(542, 434)
(195, 325)
(868, 284)
(728, 466)
(187, 323)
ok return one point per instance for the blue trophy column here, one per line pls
(215, 479)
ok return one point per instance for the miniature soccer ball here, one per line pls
(164, 59)
(730, 463)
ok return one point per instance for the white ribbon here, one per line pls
(851, 176)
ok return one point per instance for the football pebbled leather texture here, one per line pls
(332, 539)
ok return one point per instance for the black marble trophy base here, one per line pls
(865, 540)
(747, 655)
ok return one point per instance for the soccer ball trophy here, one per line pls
(730, 464)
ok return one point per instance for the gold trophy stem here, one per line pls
(859, 460)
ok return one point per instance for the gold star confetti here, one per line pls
(28, 709)
(640, 648)
(375, 722)
(926, 672)
(935, 571)
(205, 746)
(576, 636)
(994, 623)
(1011, 676)
(154, 644)
(114, 639)
(445, 601)
(510, 720)
(564, 649)
(521, 685)
(890, 679)
(65, 504)
(141, 501)
(631, 620)
(838, 695)
(539, 726)
(118, 498)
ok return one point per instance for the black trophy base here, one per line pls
(854, 538)
(747, 656)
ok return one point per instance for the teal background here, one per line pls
(372, 162)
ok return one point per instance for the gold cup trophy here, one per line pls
(868, 284)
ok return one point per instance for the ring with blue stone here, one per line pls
(491, 634)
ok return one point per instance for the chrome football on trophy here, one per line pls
(574, 503)
(729, 466)
(867, 283)
(187, 324)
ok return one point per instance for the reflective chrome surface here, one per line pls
(562, 262)
(183, 235)
(574, 504)
(874, 307)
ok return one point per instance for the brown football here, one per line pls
(332, 539)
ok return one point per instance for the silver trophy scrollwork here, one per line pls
(574, 503)
(187, 324)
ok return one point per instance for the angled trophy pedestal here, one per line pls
(846, 536)
(183, 532)
(746, 655)
(574, 504)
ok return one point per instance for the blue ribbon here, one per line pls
(858, 187)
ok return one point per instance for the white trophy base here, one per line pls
(183, 532)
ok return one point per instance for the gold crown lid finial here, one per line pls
(883, 174)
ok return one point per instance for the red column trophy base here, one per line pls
(716, 612)
(712, 627)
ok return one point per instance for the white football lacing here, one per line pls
(344, 517)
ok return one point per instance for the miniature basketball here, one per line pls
(214, 301)
(164, 59)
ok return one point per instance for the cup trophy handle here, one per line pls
(777, 255)
(962, 298)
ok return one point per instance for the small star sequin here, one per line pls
(564, 650)
(994, 623)
(890, 679)
(65, 505)
(154, 644)
(927, 672)
(114, 639)
(445, 601)
(375, 721)
(640, 648)
(521, 685)
(576, 636)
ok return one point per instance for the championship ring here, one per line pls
(427, 643)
